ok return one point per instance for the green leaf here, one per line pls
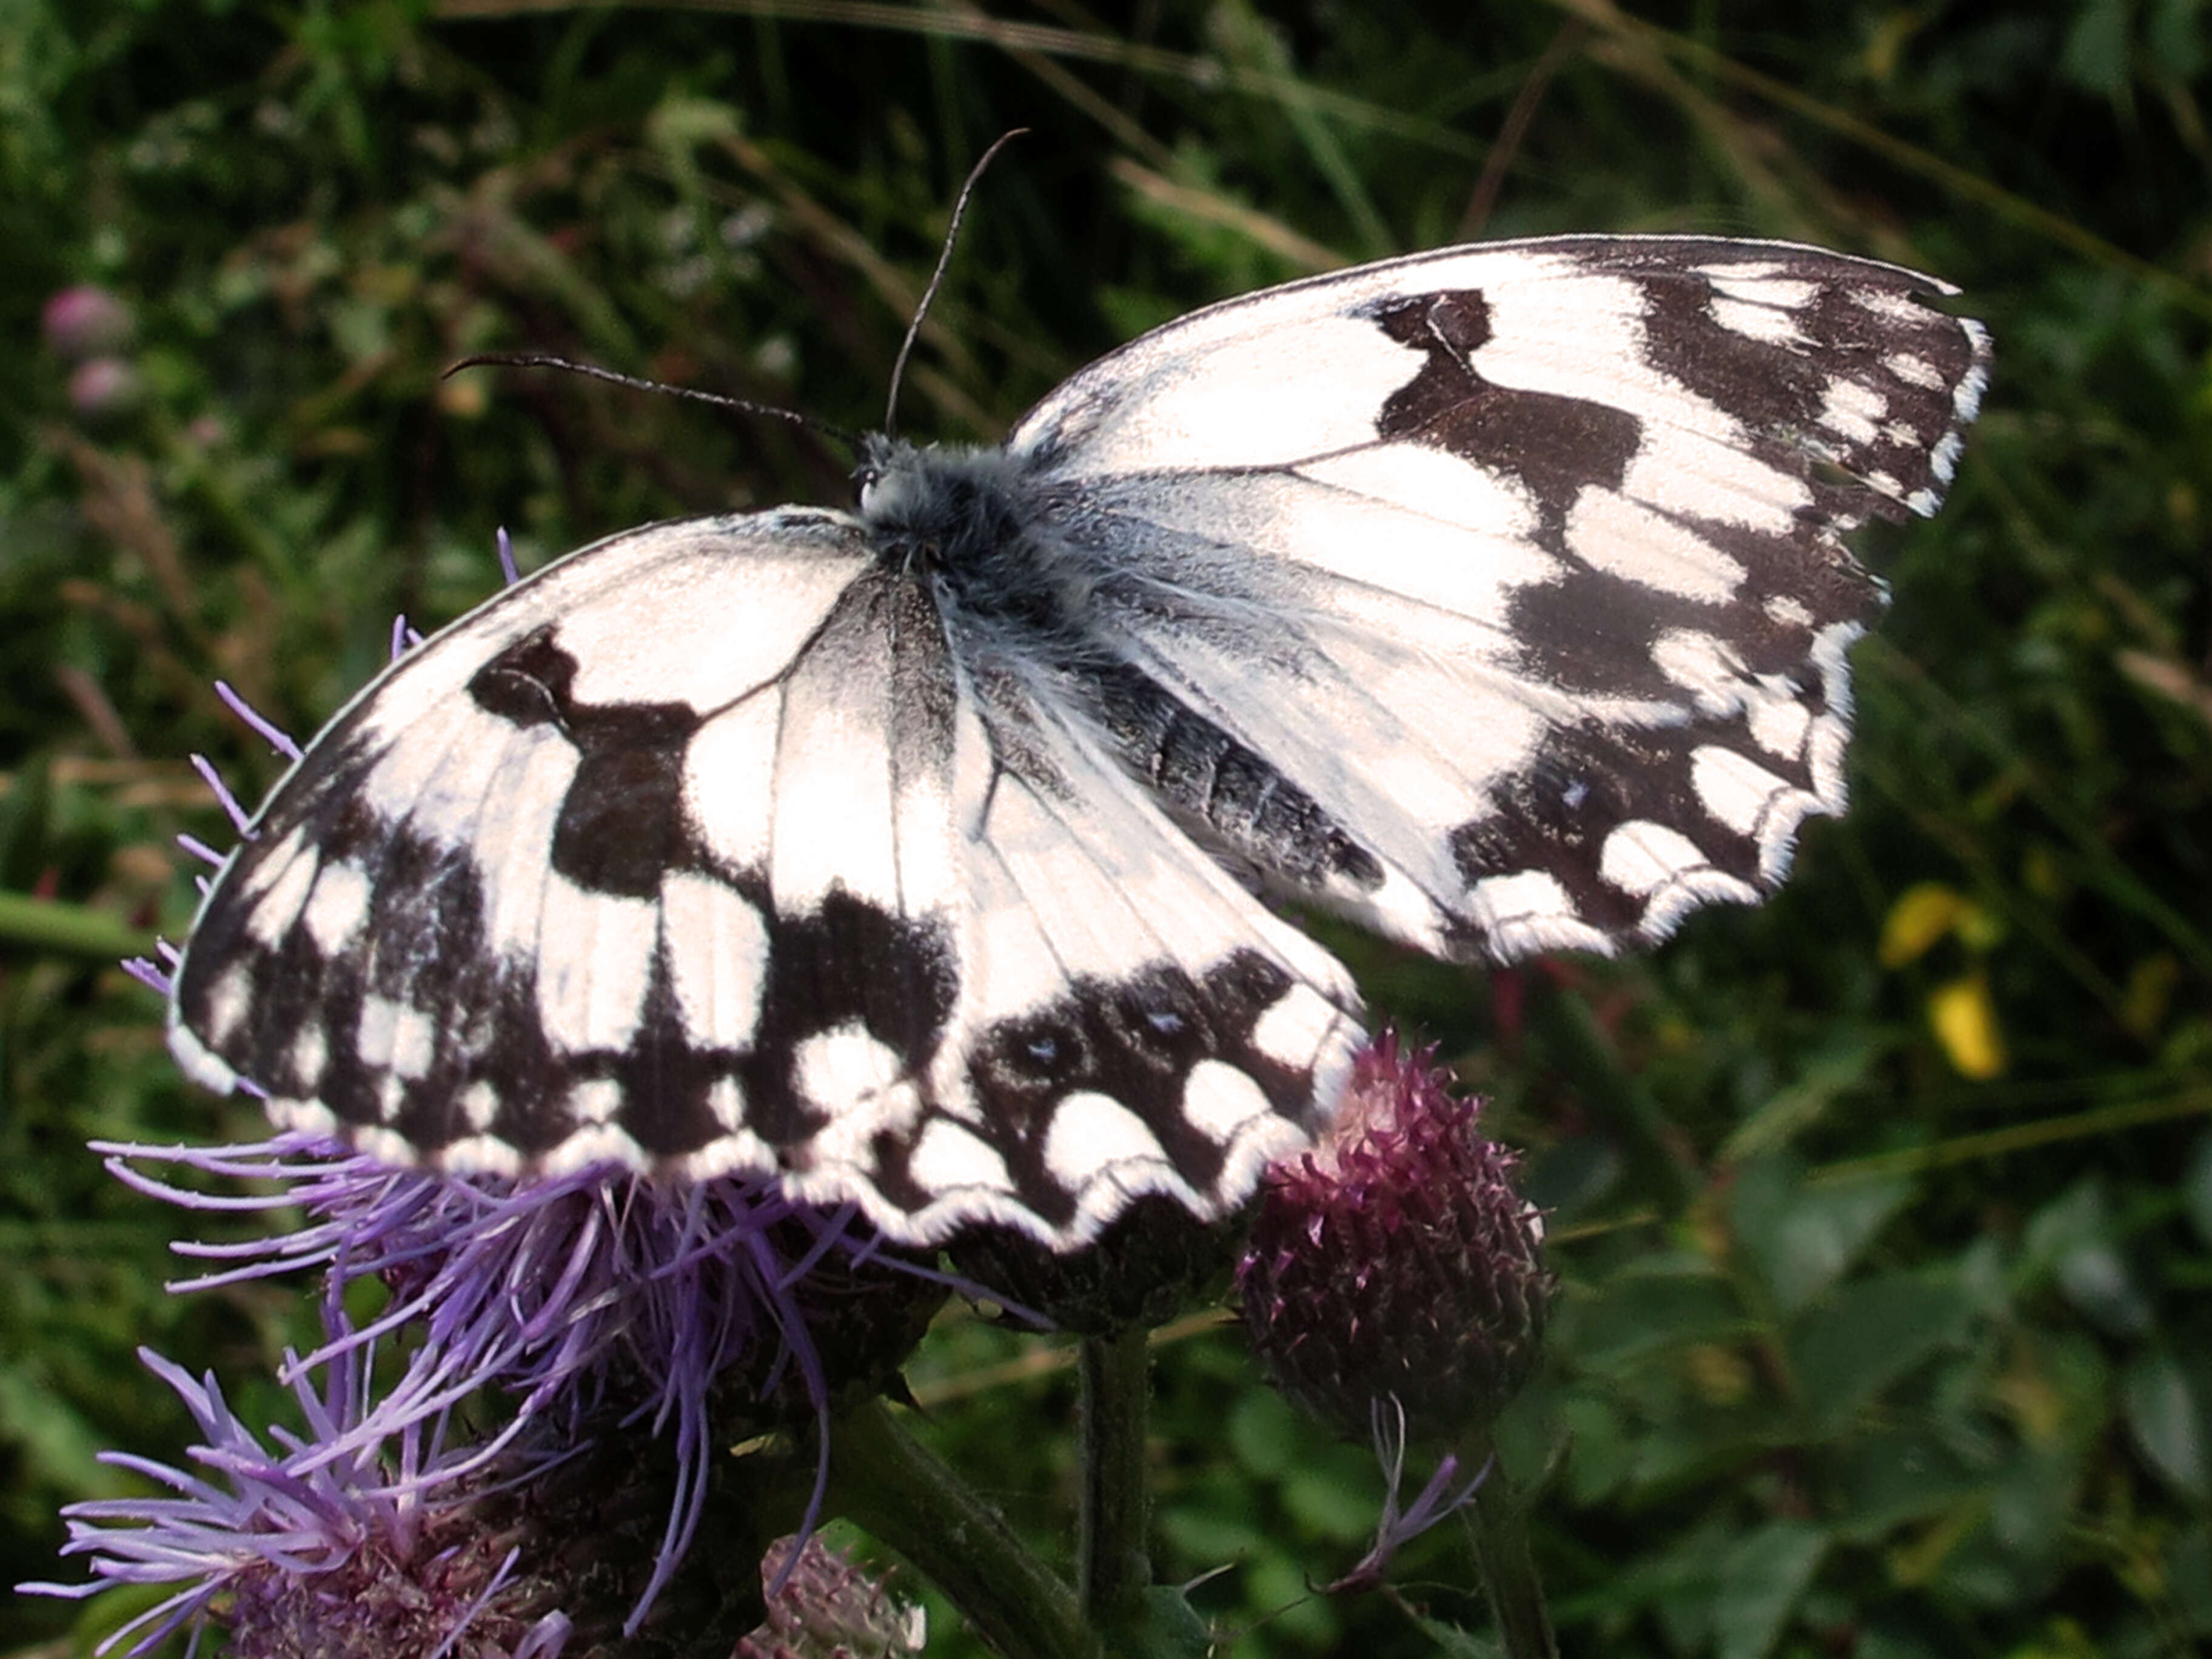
(1848, 1347)
(1171, 1628)
(2189, 1575)
(1887, 1477)
(2174, 33)
(2072, 1240)
(1760, 1581)
(1640, 1312)
(2096, 56)
(1263, 1432)
(1215, 1533)
(2098, 1279)
(2168, 1401)
(44, 1436)
(1456, 1643)
(1599, 1452)
(1804, 1237)
(1331, 1506)
(1838, 1068)
(2062, 1389)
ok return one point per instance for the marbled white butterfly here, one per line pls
(1496, 597)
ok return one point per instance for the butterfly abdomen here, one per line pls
(1236, 802)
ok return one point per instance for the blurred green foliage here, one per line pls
(1884, 1213)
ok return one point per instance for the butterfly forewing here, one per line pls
(1548, 614)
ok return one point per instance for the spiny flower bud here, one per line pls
(1396, 1261)
(828, 1608)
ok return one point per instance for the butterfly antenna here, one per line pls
(937, 276)
(744, 405)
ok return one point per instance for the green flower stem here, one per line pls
(904, 1495)
(1112, 1566)
(1493, 1521)
(74, 929)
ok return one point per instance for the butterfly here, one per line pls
(924, 857)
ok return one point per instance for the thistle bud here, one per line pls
(1396, 1261)
(828, 1608)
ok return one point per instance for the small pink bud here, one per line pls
(100, 388)
(85, 321)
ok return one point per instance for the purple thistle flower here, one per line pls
(101, 388)
(1396, 1261)
(337, 1543)
(582, 1296)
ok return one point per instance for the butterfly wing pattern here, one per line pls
(1547, 604)
(1496, 597)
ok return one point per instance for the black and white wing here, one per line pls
(1497, 598)
(1520, 567)
(705, 851)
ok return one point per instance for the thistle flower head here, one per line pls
(594, 1302)
(1395, 1262)
(336, 1543)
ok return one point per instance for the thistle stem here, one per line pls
(1494, 1525)
(1113, 1568)
(911, 1499)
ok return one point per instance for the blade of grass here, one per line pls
(1604, 16)
(2092, 1125)
(1210, 208)
(65, 929)
(1205, 74)
(1259, 51)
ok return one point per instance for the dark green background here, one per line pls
(1859, 1352)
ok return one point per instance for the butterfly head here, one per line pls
(968, 522)
(885, 464)
(930, 488)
